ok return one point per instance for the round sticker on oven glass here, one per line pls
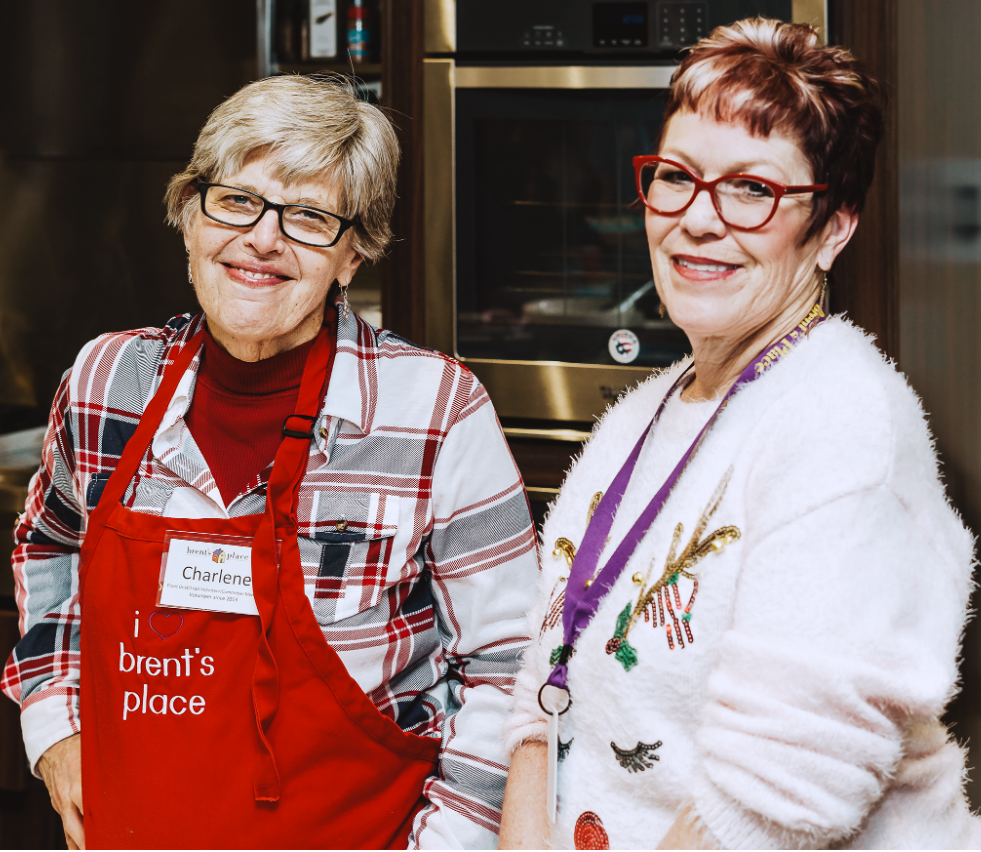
(624, 346)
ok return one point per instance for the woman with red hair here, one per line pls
(753, 585)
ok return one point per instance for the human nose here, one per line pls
(701, 219)
(265, 235)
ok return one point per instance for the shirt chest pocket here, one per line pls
(347, 546)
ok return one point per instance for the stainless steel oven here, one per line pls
(537, 266)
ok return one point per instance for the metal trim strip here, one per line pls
(439, 25)
(439, 203)
(554, 391)
(574, 435)
(541, 490)
(553, 364)
(564, 77)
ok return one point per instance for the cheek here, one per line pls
(317, 279)
(657, 228)
(204, 243)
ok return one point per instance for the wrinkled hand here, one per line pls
(61, 769)
(688, 832)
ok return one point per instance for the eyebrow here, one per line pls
(310, 202)
(743, 167)
(304, 201)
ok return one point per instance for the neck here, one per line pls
(258, 349)
(719, 361)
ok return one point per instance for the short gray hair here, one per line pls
(316, 128)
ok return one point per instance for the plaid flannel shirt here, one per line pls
(422, 596)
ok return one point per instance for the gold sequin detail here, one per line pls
(565, 548)
(697, 548)
(592, 506)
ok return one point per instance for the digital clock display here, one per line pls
(620, 25)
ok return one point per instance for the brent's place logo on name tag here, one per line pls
(212, 573)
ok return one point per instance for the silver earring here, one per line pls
(190, 277)
(345, 305)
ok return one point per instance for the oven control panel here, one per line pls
(615, 28)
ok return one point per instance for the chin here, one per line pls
(704, 316)
(247, 326)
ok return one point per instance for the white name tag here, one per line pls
(212, 573)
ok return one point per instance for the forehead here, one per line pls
(262, 173)
(716, 147)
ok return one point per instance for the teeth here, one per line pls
(258, 276)
(704, 267)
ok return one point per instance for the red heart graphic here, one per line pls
(165, 628)
(590, 833)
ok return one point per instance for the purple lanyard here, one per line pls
(582, 600)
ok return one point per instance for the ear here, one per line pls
(835, 236)
(346, 272)
(187, 193)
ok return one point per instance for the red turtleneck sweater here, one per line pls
(238, 409)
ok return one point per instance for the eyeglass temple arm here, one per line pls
(815, 187)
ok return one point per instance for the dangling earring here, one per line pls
(190, 277)
(345, 305)
(660, 310)
(824, 294)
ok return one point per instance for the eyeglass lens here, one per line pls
(742, 203)
(241, 208)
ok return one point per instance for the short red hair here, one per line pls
(770, 75)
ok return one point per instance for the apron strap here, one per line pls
(282, 495)
(138, 443)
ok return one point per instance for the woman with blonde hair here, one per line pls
(753, 585)
(273, 568)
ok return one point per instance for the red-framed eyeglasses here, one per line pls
(744, 202)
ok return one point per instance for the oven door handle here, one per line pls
(564, 77)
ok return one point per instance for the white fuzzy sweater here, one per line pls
(804, 713)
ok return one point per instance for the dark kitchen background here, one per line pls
(100, 103)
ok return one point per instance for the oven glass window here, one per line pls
(552, 256)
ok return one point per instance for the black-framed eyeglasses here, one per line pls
(241, 208)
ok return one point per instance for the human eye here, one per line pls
(237, 201)
(308, 214)
(748, 189)
(673, 176)
(308, 218)
(311, 222)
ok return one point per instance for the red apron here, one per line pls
(239, 731)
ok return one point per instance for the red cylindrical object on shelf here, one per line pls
(358, 32)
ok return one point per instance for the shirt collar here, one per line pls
(353, 387)
(351, 392)
(181, 400)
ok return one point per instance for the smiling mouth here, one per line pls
(705, 266)
(254, 275)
